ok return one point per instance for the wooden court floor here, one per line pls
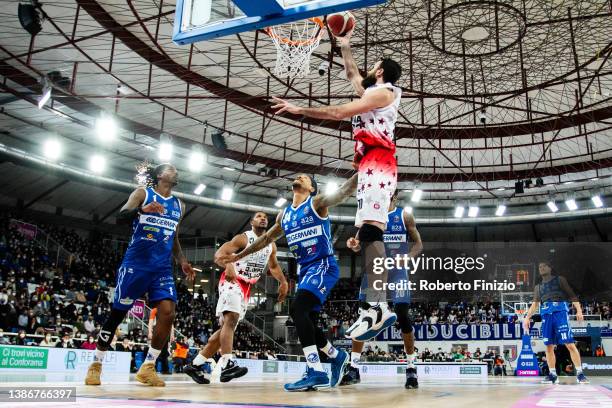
(181, 392)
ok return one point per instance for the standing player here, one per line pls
(234, 291)
(374, 115)
(147, 268)
(552, 293)
(401, 226)
(306, 226)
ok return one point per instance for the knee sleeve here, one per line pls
(105, 337)
(370, 233)
(301, 309)
(403, 317)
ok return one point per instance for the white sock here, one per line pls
(225, 359)
(383, 305)
(355, 357)
(578, 371)
(410, 359)
(553, 371)
(330, 350)
(312, 358)
(99, 356)
(152, 355)
(199, 360)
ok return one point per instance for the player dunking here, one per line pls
(147, 268)
(234, 291)
(306, 226)
(374, 115)
(552, 294)
(401, 226)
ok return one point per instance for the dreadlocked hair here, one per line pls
(147, 174)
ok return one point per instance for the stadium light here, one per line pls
(227, 193)
(597, 201)
(571, 204)
(199, 189)
(52, 149)
(280, 202)
(331, 187)
(416, 195)
(46, 94)
(501, 210)
(552, 206)
(459, 210)
(196, 159)
(97, 164)
(106, 128)
(473, 211)
(165, 151)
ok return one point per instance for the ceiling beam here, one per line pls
(46, 193)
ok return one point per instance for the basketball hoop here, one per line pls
(295, 43)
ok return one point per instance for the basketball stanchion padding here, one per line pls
(295, 43)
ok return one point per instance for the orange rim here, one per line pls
(285, 40)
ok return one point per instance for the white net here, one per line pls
(295, 43)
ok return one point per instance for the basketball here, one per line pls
(340, 23)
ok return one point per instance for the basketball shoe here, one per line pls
(371, 321)
(311, 380)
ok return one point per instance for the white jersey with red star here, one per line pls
(380, 122)
(250, 268)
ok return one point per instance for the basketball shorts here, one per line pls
(134, 281)
(231, 299)
(556, 329)
(377, 180)
(399, 293)
(319, 277)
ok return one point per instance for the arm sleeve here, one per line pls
(536, 293)
(565, 286)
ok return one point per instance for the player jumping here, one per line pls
(374, 115)
(401, 226)
(147, 268)
(552, 294)
(306, 226)
(235, 286)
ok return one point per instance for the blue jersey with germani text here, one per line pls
(395, 236)
(308, 235)
(153, 233)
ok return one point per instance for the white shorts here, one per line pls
(231, 299)
(377, 181)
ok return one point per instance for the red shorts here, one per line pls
(377, 178)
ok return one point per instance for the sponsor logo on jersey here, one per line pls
(148, 219)
(152, 229)
(307, 220)
(176, 214)
(306, 210)
(394, 238)
(396, 218)
(304, 234)
(168, 232)
(149, 237)
(126, 301)
(310, 242)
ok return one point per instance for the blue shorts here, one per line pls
(319, 277)
(556, 329)
(396, 295)
(133, 282)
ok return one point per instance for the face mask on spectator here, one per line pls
(91, 339)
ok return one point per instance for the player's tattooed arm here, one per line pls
(277, 273)
(372, 100)
(261, 242)
(350, 66)
(415, 236)
(323, 201)
(177, 252)
(565, 286)
(532, 309)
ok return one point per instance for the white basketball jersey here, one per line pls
(250, 268)
(380, 121)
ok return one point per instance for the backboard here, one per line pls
(199, 20)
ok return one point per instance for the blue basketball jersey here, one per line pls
(552, 297)
(395, 236)
(308, 235)
(153, 233)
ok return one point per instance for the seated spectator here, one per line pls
(46, 341)
(3, 338)
(89, 344)
(65, 341)
(20, 339)
(599, 352)
(89, 325)
(125, 345)
(179, 356)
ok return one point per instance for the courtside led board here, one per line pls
(199, 20)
